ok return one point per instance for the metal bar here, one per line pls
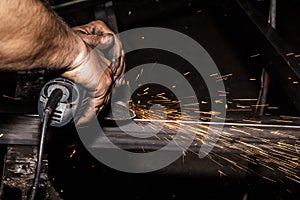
(234, 132)
(218, 123)
(273, 13)
(265, 78)
(262, 98)
(15, 129)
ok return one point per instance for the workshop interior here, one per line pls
(255, 46)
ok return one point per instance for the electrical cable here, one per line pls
(54, 98)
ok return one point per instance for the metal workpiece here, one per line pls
(10, 128)
(268, 149)
(234, 132)
(238, 148)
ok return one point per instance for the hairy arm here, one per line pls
(33, 36)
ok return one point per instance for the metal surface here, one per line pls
(238, 146)
(18, 174)
(255, 135)
(19, 129)
(15, 129)
(28, 84)
(260, 125)
(19, 170)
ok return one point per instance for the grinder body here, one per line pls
(67, 107)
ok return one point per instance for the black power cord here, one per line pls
(52, 102)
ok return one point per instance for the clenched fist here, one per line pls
(98, 67)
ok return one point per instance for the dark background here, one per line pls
(77, 175)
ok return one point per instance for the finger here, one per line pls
(80, 29)
(117, 48)
(94, 27)
(99, 41)
(99, 27)
(91, 111)
(86, 116)
(119, 80)
(116, 53)
(97, 101)
(120, 71)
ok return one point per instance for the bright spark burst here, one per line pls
(240, 146)
(275, 150)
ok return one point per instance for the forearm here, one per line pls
(32, 36)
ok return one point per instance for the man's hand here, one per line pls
(99, 66)
(90, 55)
